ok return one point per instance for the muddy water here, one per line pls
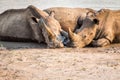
(42, 4)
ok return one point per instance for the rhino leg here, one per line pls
(100, 42)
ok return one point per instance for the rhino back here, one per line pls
(13, 23)
(116, 15)
(68, 16)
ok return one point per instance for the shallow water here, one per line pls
(42, 4)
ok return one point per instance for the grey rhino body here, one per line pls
(19, 25)
(99, 29)
(68, 17)
(31, 23)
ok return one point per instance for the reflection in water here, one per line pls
(42, 4)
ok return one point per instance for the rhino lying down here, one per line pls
(31, 24)
(27, 24)
(98, 29)
(68, 17)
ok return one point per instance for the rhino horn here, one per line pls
(52, 13)
(71, 34)
(50, 33)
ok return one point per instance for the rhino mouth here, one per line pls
(61, 38)
(65, 40)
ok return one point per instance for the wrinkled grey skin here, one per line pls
(52, 31)
(24, 24)
(108, 30)
(68, 17)
(98, 29)
(20, 25)
(83, 36)
(51, 28)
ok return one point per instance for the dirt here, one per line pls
(32, 61)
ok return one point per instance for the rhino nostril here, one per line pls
(91, 33)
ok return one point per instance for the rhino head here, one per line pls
(83, 36)
(52, 31)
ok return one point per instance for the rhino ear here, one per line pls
(96, 21)
(36, 20)
(52, 13)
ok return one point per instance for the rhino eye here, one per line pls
(84, 36)
(34, 19)
(91, 15)
(96, 21)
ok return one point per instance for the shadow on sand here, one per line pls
(21, 45)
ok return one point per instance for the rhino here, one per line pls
(98, 29)
(68, 18)
(31, 24)
(44, 32)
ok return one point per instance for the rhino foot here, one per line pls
(100, 42)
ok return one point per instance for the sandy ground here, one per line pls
(31, 61)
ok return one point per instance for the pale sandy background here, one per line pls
(95, 4)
